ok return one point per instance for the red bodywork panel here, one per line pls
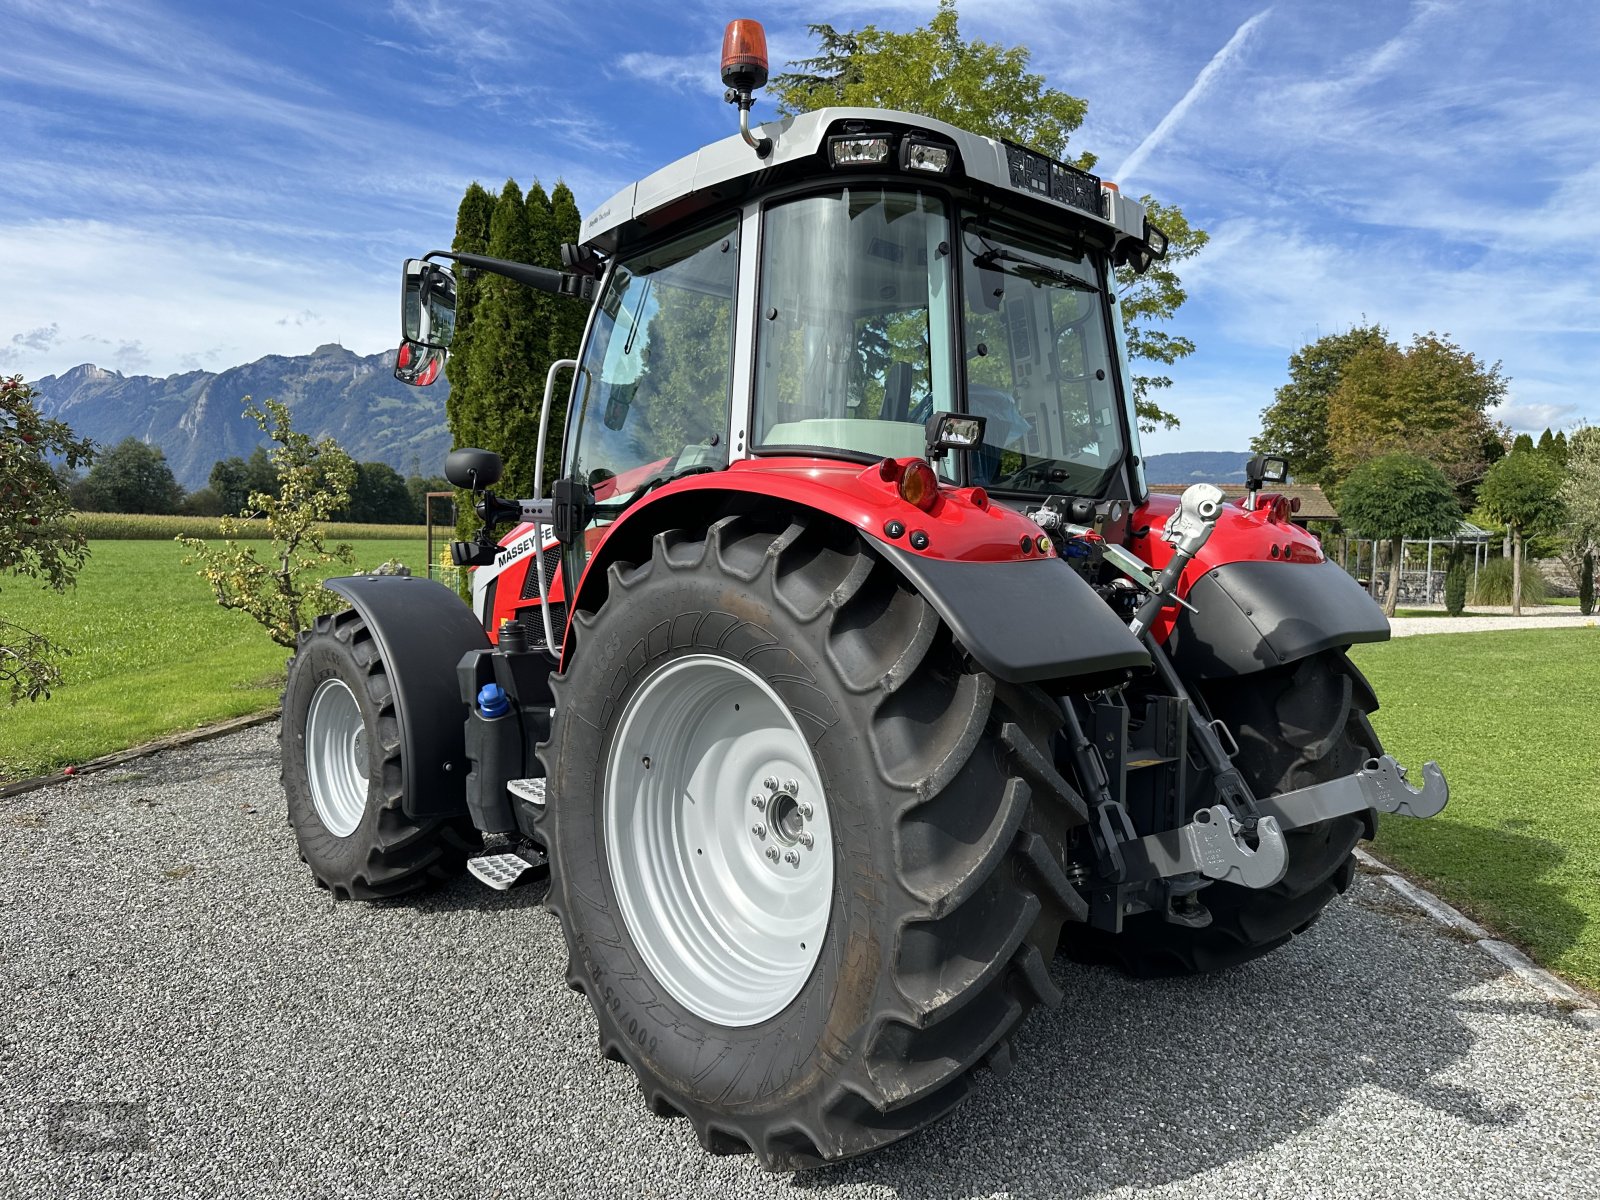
(1260, 534)
(963, 525)
(512, 583)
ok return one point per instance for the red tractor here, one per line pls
(850, 672)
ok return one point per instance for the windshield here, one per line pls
(854, 347)
(1038, 363)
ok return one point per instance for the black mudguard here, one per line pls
(1025, 622)
(422, 629)
(1252, 616)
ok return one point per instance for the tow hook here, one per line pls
(1381, 784)
(1212, 846)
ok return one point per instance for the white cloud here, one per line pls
(163, 301)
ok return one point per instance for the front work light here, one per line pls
(953, 431)
(925, 156)
(1156, 240)
(859, 151)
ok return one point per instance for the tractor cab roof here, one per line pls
(808, 147)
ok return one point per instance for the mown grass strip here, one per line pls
(1510, 716)
(143, 526)
(152, 654)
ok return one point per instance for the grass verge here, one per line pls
(1510, 717)
(152, 654)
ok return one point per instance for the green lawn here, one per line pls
(153, 653)
(1512, 718)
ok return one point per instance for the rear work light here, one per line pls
(925, 156)
(859, 151)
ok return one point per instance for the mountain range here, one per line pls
(196, 417)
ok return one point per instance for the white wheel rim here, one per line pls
(718, 840)
(336, 757)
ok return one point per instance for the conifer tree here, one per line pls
(472, 237)
(566, 323)
(546, 251)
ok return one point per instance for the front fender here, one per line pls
(1023, 616)
(422, 629)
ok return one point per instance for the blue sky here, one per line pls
(191, 185)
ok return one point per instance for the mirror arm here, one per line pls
(542, 279)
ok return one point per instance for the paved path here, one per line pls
(182, 1013)
(1484, 620)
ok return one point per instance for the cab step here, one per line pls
(508, 869)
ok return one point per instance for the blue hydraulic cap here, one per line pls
(493, 701)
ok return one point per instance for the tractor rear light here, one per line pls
(744, 56)
(889, 470)
(925, 156)
(859, 151)
(919, 485)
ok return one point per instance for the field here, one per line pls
(152, 653)
(1511, 718)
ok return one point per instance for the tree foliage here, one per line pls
(1395, 497)
(378, 497)
(507, 335)
(987, 89)
(1430, 399)
(1523, 491)
(284, 593)
(1580, 492)
(133, 477)
(1295, 424)
(37, 538)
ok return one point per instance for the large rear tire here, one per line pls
(341, 749)
(1296, 726)
(805, 1002)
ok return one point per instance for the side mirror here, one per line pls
(473, 469)
(1265, 468)
(417, 364)
(427, 304)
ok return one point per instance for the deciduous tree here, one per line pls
(1523, 490)
(1430, 399)
(133, 477)
(37, 538)
(987, 88)
(1396, 497)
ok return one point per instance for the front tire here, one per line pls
(341, 770)
(813, 1008)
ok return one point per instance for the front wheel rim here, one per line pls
(336, 757)
(718, 839)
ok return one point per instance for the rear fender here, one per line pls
(422, 629)
(1023, 616)
(1263, 593)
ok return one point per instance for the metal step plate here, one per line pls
(503, 872)
(531, 790)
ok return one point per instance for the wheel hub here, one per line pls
(718, 839)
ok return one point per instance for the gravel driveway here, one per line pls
(182, 1013)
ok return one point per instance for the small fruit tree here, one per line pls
(284, 593)
(37, 537)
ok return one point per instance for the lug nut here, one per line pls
(792, 859)
(792, 786)
(770, 783)
(759, 830)
(806, 840)
(772, 853)
(806, 811)
(758, 801)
